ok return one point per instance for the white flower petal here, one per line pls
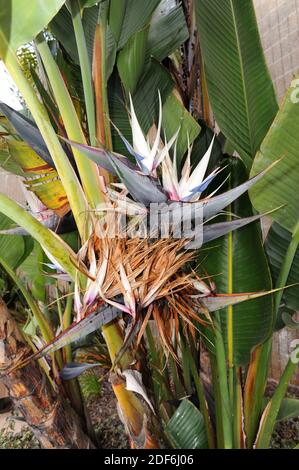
(183, 184)
(169, 176)
(161, 155)
(94, 287)
(198, 173)
(129, 297)
(139, 142)
(157, 139)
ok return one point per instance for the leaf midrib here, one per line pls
(242, 74)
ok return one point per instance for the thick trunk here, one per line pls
(51, 418)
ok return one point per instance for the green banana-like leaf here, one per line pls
(158, 39)
(237, 263)
(145, 99)
(12, 247)
(168, 30)
(62, 28)
(32, 269)
(239, 84)
(131, 60)
(19, 23)
(186, 429)
(202, 143)
(279, 187)
(118, 115)
(175, 116)
(7, 163)
(116, 15)
(135, 16)
(276, 245)
(89, 21)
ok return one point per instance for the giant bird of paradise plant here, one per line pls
(110, 133)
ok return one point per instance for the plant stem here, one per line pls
(202, 402)
(238, 409)
(85, 69)
(66, 173)
(114, 339)
(88, 170)
(66, 322)
(100, 70)
(230, 320)
(217, 399)
(48, 239)
(103, 128)
(222, 377)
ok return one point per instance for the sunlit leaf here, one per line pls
(14, 13)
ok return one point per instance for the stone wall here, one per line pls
(278, 22)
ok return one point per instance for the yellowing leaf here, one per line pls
(46, 184)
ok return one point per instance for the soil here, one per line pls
(15, 434)
(104, 416)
